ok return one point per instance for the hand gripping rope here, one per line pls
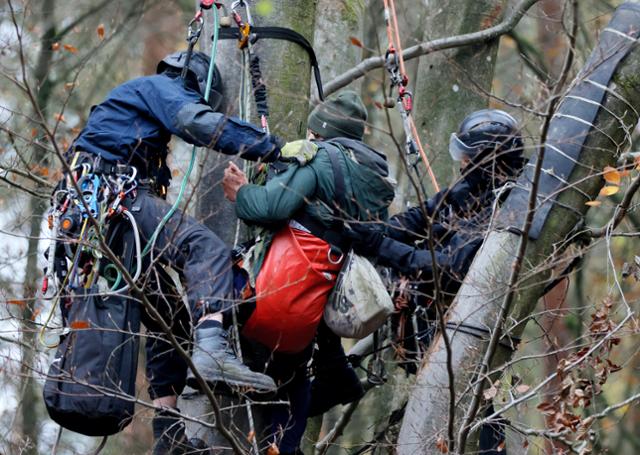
(394, 63)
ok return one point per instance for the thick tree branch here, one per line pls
(428, 47)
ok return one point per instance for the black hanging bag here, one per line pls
(90, 387)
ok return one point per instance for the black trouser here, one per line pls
(203, 263)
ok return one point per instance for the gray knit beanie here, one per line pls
(342, 116)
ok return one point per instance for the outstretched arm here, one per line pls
(200, 125)
(184, 113)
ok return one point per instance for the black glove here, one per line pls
(365, 238)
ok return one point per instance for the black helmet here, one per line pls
(197, 73)
(485, 130)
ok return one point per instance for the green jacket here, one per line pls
(310, 188)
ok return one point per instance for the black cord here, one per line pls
(259, 88)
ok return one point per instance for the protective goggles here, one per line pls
(458, 149)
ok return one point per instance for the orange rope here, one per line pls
(395, 45)
(398, 43)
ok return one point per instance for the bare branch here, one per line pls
(428, 47)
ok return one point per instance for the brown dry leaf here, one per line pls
(79, 324)
(356, 42)
(17, 302)
(441, 445)
(525, 444)
(34, 132)
(36, 313)
(69, 85)
(611, 175)
(59, 117)
(522, 388)
(593, 203)
(100, 31)
(490, 393)
(55, 47)
(70, 48)
(273, 449)
(609, 190)
(546, 408)
(501, 446)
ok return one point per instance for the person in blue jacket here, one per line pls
(133, 126)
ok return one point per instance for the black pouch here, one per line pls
(90, 387)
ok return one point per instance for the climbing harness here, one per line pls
(394, 64)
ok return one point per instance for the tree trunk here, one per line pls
(481, 296)
(454, 83)
(286, 72)
(37, 207)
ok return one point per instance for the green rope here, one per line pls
(185, 179)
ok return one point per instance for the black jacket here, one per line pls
(461, 216)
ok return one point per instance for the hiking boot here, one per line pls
(217, 363)
(333, 387)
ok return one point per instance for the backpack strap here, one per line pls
(340, 189)
(333, 235)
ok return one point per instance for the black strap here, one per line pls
(280, 33)
(508, 341)
(340, 189)
(334, 235)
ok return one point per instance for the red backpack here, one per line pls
(292, 289)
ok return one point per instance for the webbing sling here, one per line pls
(285, 34)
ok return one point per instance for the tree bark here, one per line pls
(481, 296)
(286, 72)
(37, 207)
(451, 84)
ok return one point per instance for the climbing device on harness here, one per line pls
(394, 64)
(93, 189)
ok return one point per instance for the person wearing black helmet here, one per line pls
(489, 147)
(133, 127)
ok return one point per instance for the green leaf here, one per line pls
(264, 7)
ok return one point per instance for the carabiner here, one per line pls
(195, 27)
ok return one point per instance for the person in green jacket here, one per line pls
(304, 196)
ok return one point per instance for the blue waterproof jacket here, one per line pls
(137, 119)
